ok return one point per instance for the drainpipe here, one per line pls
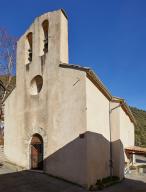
(110, 129)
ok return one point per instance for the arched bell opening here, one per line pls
(45, 26)
(28, 47)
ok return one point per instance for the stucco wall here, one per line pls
(117, 147)
(10, 124)
(64, 55)
(98, 137)
(127, 132)
(126, 135)
(57, 112)
(118, 158)
(126, 129)
(122, 137)
(13, 133)
(67, 120)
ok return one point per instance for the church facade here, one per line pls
(61, 118)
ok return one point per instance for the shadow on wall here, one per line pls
(29, 181)
(86, 159)
(118, 159)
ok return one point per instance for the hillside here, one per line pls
(140, 130)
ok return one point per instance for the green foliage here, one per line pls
(140, 129)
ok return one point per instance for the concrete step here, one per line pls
(6, 163)
(2, 156)
(13, 166)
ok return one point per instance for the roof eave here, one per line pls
(92, 76)
(126, 108)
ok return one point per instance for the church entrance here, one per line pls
(37, 152)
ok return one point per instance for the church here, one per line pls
(60, 118)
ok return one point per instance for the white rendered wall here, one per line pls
(126, 130)
(98, 137)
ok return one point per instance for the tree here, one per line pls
(7, 66)
(7, 62)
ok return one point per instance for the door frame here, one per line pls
(41, 142)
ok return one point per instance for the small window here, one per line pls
(36, 85)
(29, 48)
(45, 26)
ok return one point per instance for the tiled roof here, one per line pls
(136, 149)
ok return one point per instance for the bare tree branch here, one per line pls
(7, 61)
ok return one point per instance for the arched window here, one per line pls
(45, 26)
(29, 47)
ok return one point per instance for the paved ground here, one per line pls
(28, 181)
(132, 183)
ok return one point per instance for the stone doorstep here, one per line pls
(2, 156)
(16, 168)
(13, 166)
(37, 171)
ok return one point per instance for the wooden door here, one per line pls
(36, 153)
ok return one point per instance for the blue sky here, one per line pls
(107, 35)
